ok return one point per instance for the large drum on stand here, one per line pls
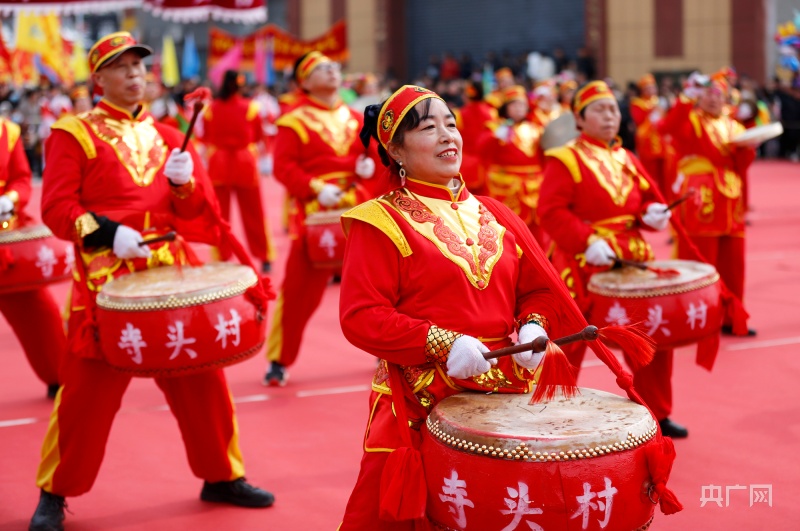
(31, 257)
(171, 321)
(675, 310)
(496, 462)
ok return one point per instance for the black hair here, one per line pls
(230, 84)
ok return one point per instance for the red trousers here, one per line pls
(251, 208)
(89, 399)
(300, 295)
(653, 382)
(726, 253)
(36, 321)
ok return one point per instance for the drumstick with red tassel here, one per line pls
(168, 237)
(199, 97)
(556, 368)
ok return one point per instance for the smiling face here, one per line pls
(431, 152)
(122, 80)
(600, 120)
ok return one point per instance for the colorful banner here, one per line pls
(285, 48)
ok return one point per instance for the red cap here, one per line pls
(112, 46)
(395, 108)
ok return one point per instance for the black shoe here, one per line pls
(49, 515)
(238, 492)
(336, 279)
(276, 375)
(266, 267)
(728, 331)
(52, 390)
(671, 429)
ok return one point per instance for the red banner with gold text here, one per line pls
(286, 48)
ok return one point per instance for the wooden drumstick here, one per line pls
(590, 333)
(680, 200)
(168, 237)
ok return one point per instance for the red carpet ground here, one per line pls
(303, 442)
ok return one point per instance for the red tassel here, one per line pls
(639, 347)
(659, 462)
(403, 493)
(557, 376)
(707, 352)
(6, 258)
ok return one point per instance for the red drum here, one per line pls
(172, 321)
(31, 257)
(674, 310)
(325, 239)
(497, 463)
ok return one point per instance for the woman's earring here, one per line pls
(402, 174)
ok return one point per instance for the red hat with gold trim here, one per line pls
(308, 63)
(589, 93)
(646, 81)
(566, 86)
(396, 107)
(543, 88)
(504, 73)
(112, 46)
(514, 93)
(719, 81)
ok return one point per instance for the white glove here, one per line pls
(529, 359)
(501, 133)
(179, 167)
(466, 358)
(676, 186)
(655, 216)
(696, 79)
(745, 111)
(126, 244)
(656, 116)
(365, 167)
(600, 253)
(329, 195)
(6, 208)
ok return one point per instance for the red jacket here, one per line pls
(232, 130)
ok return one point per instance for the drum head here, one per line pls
(633, 282)
(559, 131)
(34, 232)
(594, 421)
(171, 286)
(759, 134)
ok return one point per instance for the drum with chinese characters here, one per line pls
(31, 257)
(171, 321)
(675, 310)
(325, 238)
(496, 462)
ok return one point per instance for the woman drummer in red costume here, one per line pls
(412, 256)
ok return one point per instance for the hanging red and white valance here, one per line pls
(239, 11)
(66, 7)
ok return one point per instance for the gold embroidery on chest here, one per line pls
(719, 130)
(611, 169)
(337, 128)
(450, 231)
(526, 138)
(137, 144)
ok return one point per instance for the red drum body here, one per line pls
(31, 257)
(674, 311)
(325, 238)
(170, 322)
(497, 463)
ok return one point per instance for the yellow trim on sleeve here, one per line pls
(252, 110)
(695, 120)
(374, 214)
(13, 132)
(568, 158)
(287, 120)
(74, 126)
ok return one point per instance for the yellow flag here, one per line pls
(169, 63)
(41, 34)
(78, 63)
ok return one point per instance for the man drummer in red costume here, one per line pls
(324, 167)
(594, 202)
(714, 169)
(34, 314)
(647, 112)
(113, 173)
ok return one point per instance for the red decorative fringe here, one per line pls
(557, 376)
(735, 312)
(403, 493)
(707, 352)
(6, 258)
(639, 347)
(659, 461)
